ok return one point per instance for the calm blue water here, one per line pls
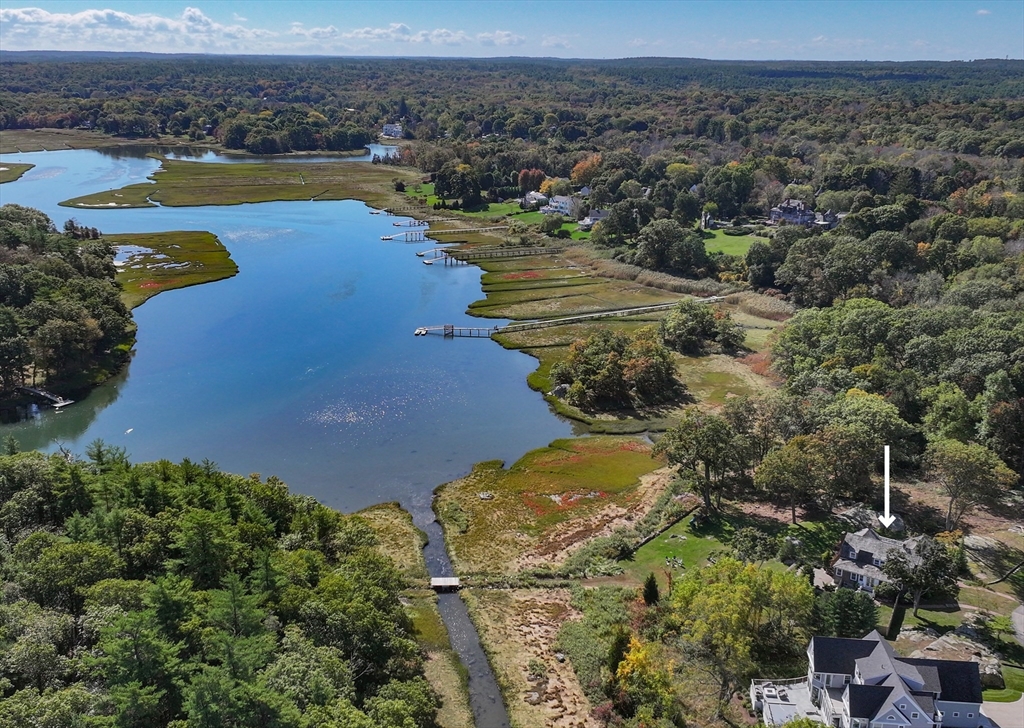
(304, 365)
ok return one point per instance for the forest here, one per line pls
(139, 595)
(62, 320)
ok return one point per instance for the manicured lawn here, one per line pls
(680, 542)
(1013, 677)
(718, 241)
(176, 259)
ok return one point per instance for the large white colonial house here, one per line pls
(561, 205)
(863, 684)
(862, 555)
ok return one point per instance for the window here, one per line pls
(846, 679)
(839, 572)
(915, 715)
(903, 706)
(956, 715)
(970, 715)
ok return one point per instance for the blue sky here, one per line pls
(734, 29)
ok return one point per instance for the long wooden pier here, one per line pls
(450, 330)
(419, 235)
(485, 253)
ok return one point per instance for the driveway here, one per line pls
(1005, 715)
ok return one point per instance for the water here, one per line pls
(304, 365)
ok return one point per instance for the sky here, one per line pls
(876, 30)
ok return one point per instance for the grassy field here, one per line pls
(551, 286)
(566, 481)
(183, 184)
(399, 538)
(41, 140)
(175, 259)
(716, 241)
(10, 171)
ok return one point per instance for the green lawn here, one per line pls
(717, 241)
(1014, 679)
(679, 541)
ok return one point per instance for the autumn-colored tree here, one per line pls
(584, 172)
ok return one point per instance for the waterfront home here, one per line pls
(392, 131)
(561, 205)
(534, 198)
(853, 683)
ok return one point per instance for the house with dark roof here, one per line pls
(793, 212)
(862, 555)
(864, 684)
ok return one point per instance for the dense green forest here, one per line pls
(158, 594)
(62, 320)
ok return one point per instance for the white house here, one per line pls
(392, 131)
(534, 198)
(561, 205)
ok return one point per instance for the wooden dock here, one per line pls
(57, 400)
(477, 332)
(415, 236)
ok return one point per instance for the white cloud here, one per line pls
(239, 19)
(501, 38)
(983, 11)
(556, 41)
(644, 43)
(193, 31)
(402, 33)
(314, 33)
(394, 32)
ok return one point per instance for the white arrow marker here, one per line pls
(886, 520)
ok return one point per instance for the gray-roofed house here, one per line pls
(864, 684)
(794, 212)
(862, 555)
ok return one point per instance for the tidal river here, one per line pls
(304, 365)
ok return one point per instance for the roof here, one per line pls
(925, 702)
(838, 655)
(865, 700)
(959, 680)
(867, 542)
